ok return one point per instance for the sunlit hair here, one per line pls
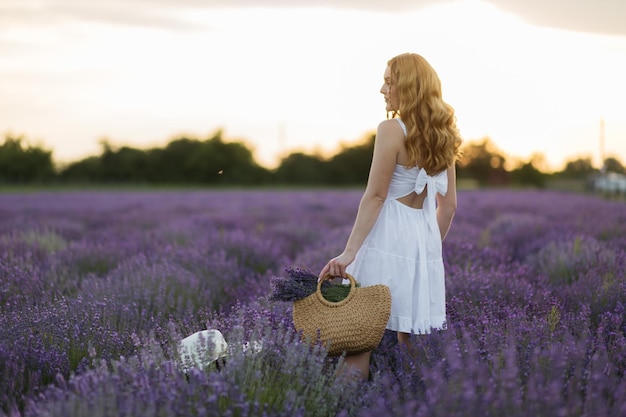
(433, 139)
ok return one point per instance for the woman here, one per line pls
(408, 204)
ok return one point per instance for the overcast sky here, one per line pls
(536, 76)
(594, 16)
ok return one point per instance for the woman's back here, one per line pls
(404, 178)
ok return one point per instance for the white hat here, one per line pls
(201, 348)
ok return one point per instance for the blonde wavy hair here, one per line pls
(432, 140)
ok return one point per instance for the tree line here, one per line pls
(214, 161)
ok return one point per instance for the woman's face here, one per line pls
(389, 91)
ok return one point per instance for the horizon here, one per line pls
(510, 160)
(535, 78)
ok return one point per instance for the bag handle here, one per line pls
(327, 303)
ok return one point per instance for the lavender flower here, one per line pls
(98, 288)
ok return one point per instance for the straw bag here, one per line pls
(355, 324)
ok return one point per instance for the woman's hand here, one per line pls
(336, 267)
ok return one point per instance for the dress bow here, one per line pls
(436, 184)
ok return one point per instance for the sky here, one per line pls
(535, 76)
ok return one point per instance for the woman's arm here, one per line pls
(446, 205)
(389, 137)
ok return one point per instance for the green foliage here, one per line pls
(352, 165)
(528, 175)
(48, 240)
(213, 161)
(183, 160)
(299, 168)
(612, 164)
(348, 167)
(22, 164)
(483, 162)
(565, 261)
(336, 293)
(580, 168)
(554, 318)
(86, 170)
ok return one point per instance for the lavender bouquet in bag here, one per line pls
(301, 283)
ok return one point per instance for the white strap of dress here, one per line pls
(436, 184)
(402, 125)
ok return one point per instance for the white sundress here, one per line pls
(403, 251)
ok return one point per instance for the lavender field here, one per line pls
(97, 288)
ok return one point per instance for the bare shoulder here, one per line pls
(390, 126)
(390, 130)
